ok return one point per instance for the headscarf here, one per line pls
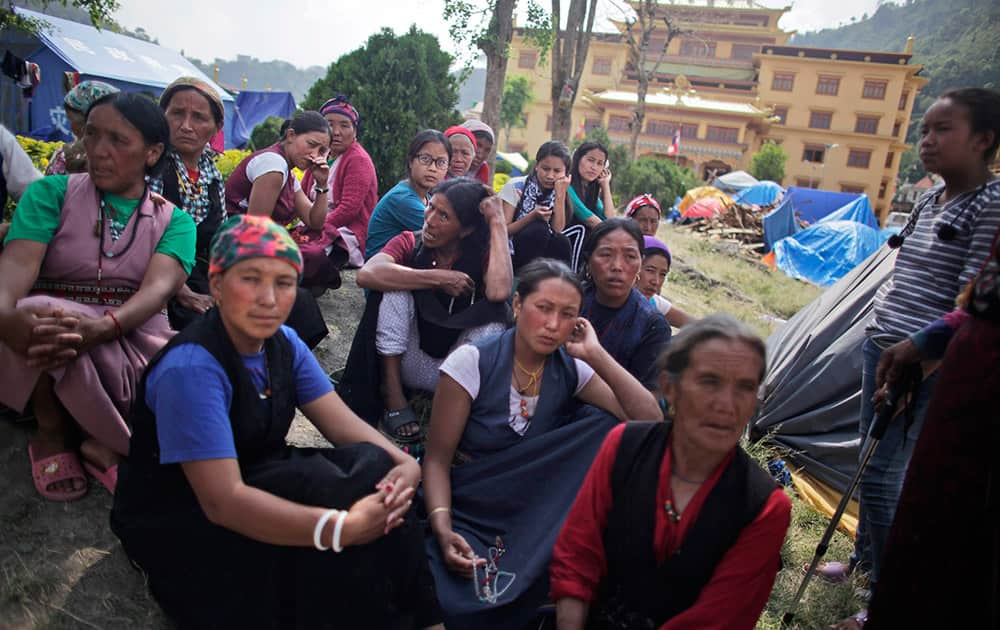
(651, 242)
(640, 201)
(249, 236)
(340, 105)
(456, 130)
(474, 125)
(202, 87)
(86, 93)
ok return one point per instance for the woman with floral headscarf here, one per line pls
(232, 526)
(70, 157)
(353, 193)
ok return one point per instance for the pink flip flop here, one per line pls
(834, 572)
(107, 477)
(51, 470)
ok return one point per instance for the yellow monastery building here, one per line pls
(729, 83)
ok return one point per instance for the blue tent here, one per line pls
(253, 108)
(779, 223)
(130, 64)
(812, 205)
(760, 194)
(858, 210)
(825, 252)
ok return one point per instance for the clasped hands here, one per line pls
(51, 337)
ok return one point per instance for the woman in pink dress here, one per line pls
(88, 266)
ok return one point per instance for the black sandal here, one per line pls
(393, 423)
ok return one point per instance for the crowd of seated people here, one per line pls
(158, 323)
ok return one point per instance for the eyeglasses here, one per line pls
(427, 160)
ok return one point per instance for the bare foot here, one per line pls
(98, 454)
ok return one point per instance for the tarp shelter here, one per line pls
(130, 64)
(734, 182)
(779, 223)
(859, 210)
(812, 204)
(701, 192)
(253, 108)
(763, 193)
(704, 208)
(516, 160)
(825, 252)
(811, 396)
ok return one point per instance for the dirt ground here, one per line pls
(60, 565)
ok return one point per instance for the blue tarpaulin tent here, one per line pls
(253, 108)
(825, 252)
(760, 194)
(780, 223)
(859, 210)
(130, 64)
(812, 205)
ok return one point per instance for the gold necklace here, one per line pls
(534, 383)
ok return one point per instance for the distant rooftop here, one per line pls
(673, 99)
(838, 54)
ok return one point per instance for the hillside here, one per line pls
(276, 74)
(958, 41)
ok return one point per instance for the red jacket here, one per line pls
(355, 191)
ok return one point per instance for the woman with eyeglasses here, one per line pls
(402, 208)
(431, 291)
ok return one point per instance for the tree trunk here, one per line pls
(569, 57)
(495, 46)
(639, 115)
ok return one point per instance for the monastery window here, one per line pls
(744, 51)
(820, 120)
(852, 189)
(903, 98)
(874, 89)
(689, 130)
(783, 82)
(803, 182)
(602, 65)
(814, 153)
(859, 158)
(589, 124)
(781, 113)
(527, 59)
(619, 123)
(697, 48)
(866, 124)
(883, 188)
(828, 85)
(889, 157)
(726, 135)
(660, 128)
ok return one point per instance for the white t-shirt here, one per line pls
(17, 167)
(269, 162)
(661, 304)
(462, 365)
(511, 191)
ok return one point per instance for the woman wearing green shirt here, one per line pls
(89, 263)
(590, 188)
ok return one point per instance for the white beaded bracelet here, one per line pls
(337, 529)
(318, 530)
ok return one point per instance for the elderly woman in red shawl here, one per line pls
(352, 193)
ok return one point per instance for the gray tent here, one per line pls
(812, 391)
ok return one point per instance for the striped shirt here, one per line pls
(931, 272)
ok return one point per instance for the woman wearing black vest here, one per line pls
(440, 287)
(675, 526)
(232, 526)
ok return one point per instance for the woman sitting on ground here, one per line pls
(463, 150)
(440, 288)
(353, 192)
(191, 181)
(402, 208)
(645, 211)
(535, 207)
(590, 189)
(675, 526)
(628, 326)
(485, 138)
(232, 526)
(263, 183)
(656, 262)
(71, 157)
(505, 458)
(89, 263)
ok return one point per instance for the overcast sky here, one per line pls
(316, 32)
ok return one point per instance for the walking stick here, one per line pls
(875, 433)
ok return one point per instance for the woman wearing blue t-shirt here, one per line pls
(232, 526)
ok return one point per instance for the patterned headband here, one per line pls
(86, 93)
(246, 236)
(339, 105)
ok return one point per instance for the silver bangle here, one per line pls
(318, 530)
(337, 529)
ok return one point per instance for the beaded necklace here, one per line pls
(103, 216)
(534, 383)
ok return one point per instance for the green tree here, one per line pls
(266, 133)
(516, 96)
(99, 12)
(769, 162)
(400, 85)
(657, 176)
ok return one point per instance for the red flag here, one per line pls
(675, 144)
